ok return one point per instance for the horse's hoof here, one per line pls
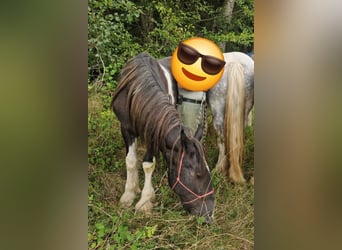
(236, 176)
(220, 168)
(144, 206)
(251, 181)
(237, 179)
(127, 199)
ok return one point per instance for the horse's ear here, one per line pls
(199, 132)
(184, 138)
(186, 141)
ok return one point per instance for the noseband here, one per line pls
(178, 181)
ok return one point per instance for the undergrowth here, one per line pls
(169, 226)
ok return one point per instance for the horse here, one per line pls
(144, 101)
(231, 101)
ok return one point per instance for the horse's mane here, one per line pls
(151, 114)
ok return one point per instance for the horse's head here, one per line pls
(189, 177)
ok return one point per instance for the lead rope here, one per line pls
(202, 116)
(205, 124)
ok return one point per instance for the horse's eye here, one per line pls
(199, 174)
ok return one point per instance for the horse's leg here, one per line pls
(235, 174)
(249, 79)
(221, 164)
(145, 203)
(216, 101)
(249, 119)
(132, 181)
(248, 108)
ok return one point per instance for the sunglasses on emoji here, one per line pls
(188, 55)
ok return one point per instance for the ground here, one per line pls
(169, 226)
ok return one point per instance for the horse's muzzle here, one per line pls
(209, 219)
(207, 214)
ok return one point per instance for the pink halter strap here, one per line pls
(178, 181)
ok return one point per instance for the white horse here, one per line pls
(231, 101)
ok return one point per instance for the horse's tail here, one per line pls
(234, 120)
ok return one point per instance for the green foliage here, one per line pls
(110, 43)
(170, 26)
(120, 29)
(241, 31)
(200, 220)
(238, 32)
(104, 137)
(114, 231)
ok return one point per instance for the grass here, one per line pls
(169, 227)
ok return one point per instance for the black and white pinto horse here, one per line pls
(145, 103)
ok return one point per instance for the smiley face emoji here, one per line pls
(197, 64)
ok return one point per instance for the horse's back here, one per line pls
(134, 77)
(245, 60)
(166, 62)
(141, 101)
(248, 65)
(217, 94)
(142, 66)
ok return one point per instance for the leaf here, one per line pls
(99, 226)
(200, 220)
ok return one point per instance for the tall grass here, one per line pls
(169, 227)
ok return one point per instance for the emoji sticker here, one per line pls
(197, 64)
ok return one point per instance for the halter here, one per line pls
(178, 181)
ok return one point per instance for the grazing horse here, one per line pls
(144, 102)
(231, 101)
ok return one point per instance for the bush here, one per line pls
(110, 43)
(120, 29)
(104, 137)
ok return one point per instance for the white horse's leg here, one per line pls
(145, 205)
(236, 175)
(249, 107)
(249, 119)
(132, 181)
(222, 158)
(251, 181)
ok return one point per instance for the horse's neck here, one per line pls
(172, 139)
(170, 84)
